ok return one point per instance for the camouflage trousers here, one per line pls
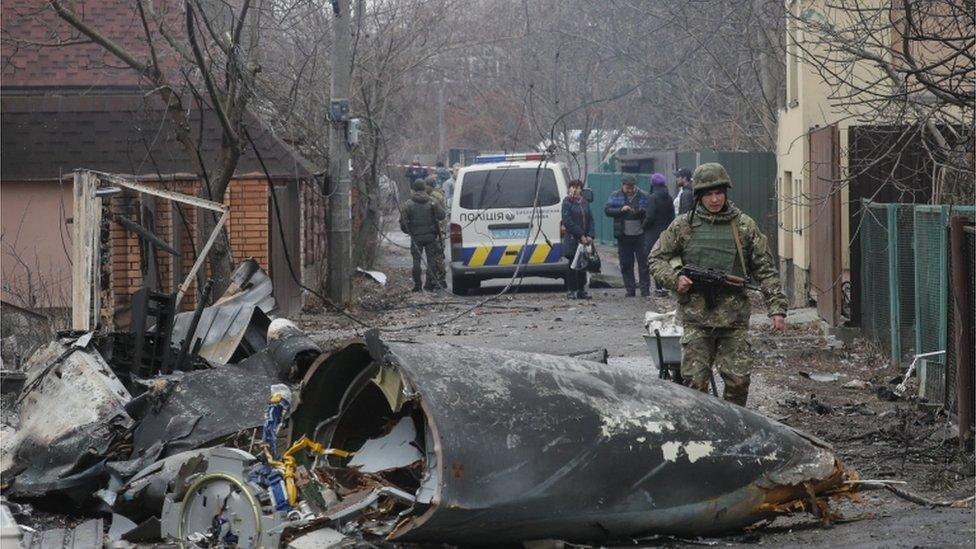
(727, 349)
(434, 253)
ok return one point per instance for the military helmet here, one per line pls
(710, 175)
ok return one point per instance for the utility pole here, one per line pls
(339, 281)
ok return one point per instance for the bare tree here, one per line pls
(706, 74)
(908, 65)
(394, 43)
(205, 55)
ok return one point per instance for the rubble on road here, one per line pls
(71, 417)
(664, 323)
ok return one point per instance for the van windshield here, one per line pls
(508, 188)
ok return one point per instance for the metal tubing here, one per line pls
(146, 234)
(962, 336)
(185, 199)
(162, 193)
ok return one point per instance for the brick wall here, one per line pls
(248, 225)
(247, 229)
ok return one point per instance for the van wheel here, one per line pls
(460, 284)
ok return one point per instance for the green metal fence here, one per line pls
(753, 184)
(753, 187)
(904, 282)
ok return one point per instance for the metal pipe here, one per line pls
(962, 335)
(201, 257)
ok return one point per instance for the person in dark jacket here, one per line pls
(660, 214)
(685, 201)
(578, 222)
(420, 217)
(627, 207)
(415, 171)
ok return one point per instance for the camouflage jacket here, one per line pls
(732, 307)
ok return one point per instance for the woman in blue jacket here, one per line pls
(577, 219)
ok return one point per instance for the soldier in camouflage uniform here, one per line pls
(420, 217)
(437, 257)
(715, 234)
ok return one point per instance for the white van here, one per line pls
(506, 213)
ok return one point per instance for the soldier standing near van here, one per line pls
(434, 188)
(437, 195)
(627, 207)
(420, 217)
(716, 235)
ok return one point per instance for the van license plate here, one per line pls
(510, 233)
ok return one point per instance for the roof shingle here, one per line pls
(46, 136)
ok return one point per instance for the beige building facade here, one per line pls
(814, 100)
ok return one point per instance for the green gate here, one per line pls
(753, 184)
(753, 188)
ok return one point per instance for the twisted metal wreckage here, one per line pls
(391, 439)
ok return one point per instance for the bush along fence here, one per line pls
(905, 285)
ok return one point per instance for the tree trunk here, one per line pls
(366, 238)
(219, 258)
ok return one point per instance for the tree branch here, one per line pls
(229, 133)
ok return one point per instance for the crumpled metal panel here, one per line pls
(236, 326)
(70, 416)
(206, 405)
(533, 446)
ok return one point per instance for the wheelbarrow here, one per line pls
(666, 356)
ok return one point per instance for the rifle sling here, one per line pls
(738, 247)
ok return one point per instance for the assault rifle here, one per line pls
(708, 281)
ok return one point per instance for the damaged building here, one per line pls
(65, 112)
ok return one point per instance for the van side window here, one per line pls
(508, 188)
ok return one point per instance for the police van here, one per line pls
(505, 215)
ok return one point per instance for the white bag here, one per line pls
(575, 264)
